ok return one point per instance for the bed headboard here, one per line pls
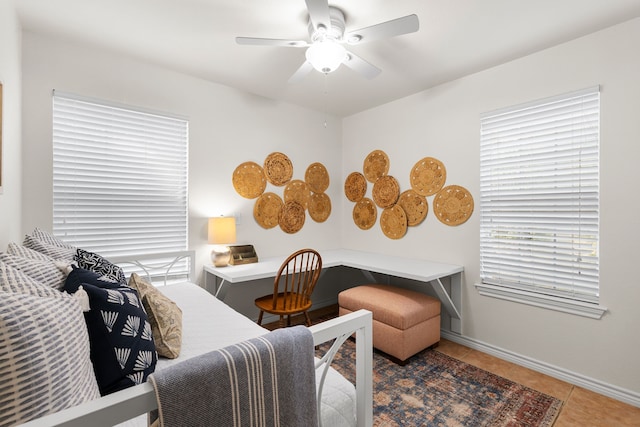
(159, 265)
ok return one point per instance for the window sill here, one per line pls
(593, 311)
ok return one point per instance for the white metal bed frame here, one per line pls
(132, 402)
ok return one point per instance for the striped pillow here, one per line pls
(45, 344)
(24, 252)
(45, 272)
(16, 282)
(55, 252)
(50, 239)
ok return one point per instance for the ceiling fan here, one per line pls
(325, 51)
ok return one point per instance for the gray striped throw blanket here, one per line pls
(264, 381)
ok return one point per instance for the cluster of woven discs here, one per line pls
(452, 205)
(289, 211)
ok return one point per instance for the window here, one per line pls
(539, 173)
(119, 177)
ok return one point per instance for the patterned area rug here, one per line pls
(433, 389)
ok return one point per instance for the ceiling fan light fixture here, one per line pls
(326, 55)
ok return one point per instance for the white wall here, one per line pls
(226, 128)
(443, 122)
(10, 77)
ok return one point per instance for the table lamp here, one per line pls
(222, 232)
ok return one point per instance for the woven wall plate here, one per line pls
(428, 176)
(249, 180)
(317, 178)
(355, 186)
(376, 164)
(319, 207)
(365, 213)
(297, 191)
(414, 206)
(291, 217)
(266, 210)
(278, 169)
(453, 205)
(393, 222)
(386, 191)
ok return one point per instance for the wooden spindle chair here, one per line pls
(292, 287)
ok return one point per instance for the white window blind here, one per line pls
(119, 177)
(539, 184)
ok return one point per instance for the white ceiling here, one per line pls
(197, 37)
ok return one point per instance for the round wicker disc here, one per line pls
(453, 205)
(414, 206)
(365, 213)
(248, 180)
(266, 210)
(297, 191)
(386, 191)
(428, 176)
(319, 207)
(376, 164)
(393, 222)
(278, 169)
(291, 217)
(355, 186)
(317, 178)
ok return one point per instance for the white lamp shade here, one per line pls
(222, 230)
(326, 55)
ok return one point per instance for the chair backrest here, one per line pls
(297, 277)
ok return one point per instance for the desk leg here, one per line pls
(221, 290)
(452, 303)
(456, 296)
(206, 280)
(369, 276)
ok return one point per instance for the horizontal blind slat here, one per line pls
(120, 178)
(539, 203)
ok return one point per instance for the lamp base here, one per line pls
(220, 256)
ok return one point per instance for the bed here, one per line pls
(340, 403)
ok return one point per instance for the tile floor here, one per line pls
(581, 408)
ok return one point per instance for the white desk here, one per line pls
(419, 270)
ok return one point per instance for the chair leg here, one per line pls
(281, 322)
(308, 319)
(260, 317)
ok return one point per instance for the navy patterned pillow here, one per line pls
(80, 276)
(123, 352)
(98, 264)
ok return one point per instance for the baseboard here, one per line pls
(597, 386)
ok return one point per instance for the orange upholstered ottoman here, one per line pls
(404, 321)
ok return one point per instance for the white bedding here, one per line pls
(209, 324)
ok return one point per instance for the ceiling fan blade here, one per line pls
(319, 13)
(301, 72)
(361, 66)
(395, 27)
(271, 42)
